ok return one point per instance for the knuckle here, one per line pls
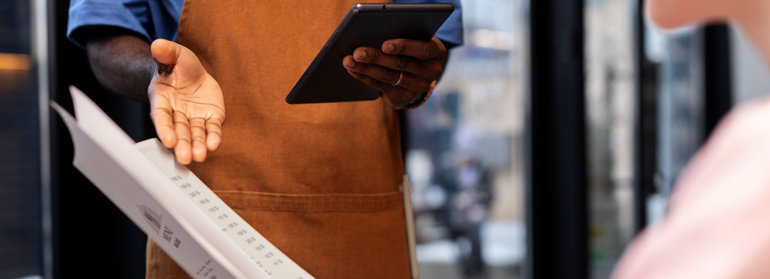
(402, 63)
(427, 51)
(371, 54)
(391, 76)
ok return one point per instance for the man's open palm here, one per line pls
(187, 106)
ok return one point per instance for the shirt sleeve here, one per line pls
(452, 30)
(150, 19)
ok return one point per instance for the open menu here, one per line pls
(168, 202)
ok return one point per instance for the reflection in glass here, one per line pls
(464, 157)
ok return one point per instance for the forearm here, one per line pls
(121, 62)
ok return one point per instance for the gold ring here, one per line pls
(400, 77)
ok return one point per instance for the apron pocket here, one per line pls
(331, 235)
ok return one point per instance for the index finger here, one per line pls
(424, 50)
(164, 126)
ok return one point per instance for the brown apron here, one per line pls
(319, 181)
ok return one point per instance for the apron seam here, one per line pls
(312, 203)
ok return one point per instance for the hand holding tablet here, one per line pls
(392, 50)
(402, 69)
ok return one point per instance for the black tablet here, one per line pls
(369, 25)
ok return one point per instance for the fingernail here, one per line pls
(362, 54)
(350, 63)
(388, 47)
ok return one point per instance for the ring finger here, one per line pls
(391, 77)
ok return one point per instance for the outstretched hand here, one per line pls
(187, 105)
(401, 69)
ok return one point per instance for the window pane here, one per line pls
(611, 80)
(464, 157)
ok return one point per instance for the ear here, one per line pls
(676, 13)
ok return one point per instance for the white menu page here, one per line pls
(169, 203)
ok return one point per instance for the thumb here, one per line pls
(165, 52)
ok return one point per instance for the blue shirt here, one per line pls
(153, 19)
